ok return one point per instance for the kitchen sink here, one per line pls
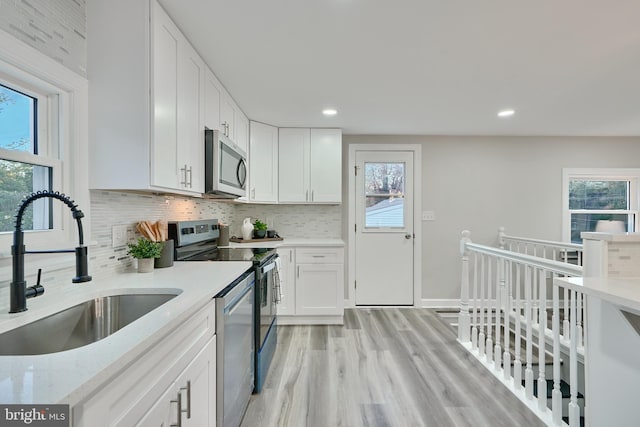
(82, 324)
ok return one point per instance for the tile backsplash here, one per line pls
(109, 208)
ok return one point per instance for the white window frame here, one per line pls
(604, 174)
(66, 142)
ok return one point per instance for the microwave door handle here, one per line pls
(242, 164)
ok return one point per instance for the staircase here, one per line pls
(504, 305)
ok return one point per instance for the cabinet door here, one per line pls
(293, 162)
(325, 170)
(319, 289)
(190, 119)
(263, 164)
(287, 282)
(242, 131)
(164, 412)
(212, 100)
(228, 117)
(197, 385)
(166, 40)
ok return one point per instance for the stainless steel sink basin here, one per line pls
(79, 325)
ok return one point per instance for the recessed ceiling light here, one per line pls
(329, 112)
(506, 113)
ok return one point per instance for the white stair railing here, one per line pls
(504, 295)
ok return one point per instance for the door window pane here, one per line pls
(384, 193)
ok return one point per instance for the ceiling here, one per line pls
(425, 67)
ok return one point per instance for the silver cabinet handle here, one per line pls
(190, 172)
(178, 422)
(312, 195)
(306, 196)
(188, 390)
(298, 273)
(184, 171)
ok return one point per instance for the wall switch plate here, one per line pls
(118, 236)
(428, 216)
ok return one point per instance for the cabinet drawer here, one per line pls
(320, 255)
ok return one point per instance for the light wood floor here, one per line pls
(384, 367)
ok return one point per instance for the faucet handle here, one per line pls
(37, 289)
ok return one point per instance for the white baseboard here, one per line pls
(440, 303)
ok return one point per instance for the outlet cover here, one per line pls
(428, 216)
(118, 236)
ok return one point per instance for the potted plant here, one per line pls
(145, 251)
(259, 229)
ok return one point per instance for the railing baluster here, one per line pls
(517, 363)
(506, 357)
(556, 394)
(542, 326)
(528, 373)
(481, 334)
(476, 311)
(566, 334)
(579, 331)
(490, 282)
(574, 409)
(497, 351)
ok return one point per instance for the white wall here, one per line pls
(482, 183)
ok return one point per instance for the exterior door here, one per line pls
(384, 242)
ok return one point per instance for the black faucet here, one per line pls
(19, 291)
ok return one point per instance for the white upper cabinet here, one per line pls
(263, 163)
(213, 93)
(241, 131)
(325, 166)
(223, 114)
(310, 163)
(151, 98)
(146, 108)
(228, 116)
(293, 153)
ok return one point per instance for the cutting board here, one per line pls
(264, 239)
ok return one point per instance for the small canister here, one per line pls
(223, 239)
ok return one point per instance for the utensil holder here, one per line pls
(223, 239)
(166, 257)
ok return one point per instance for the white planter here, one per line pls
(145, 265)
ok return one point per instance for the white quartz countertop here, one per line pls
(624, 292)
(69, 376)
(287, 243)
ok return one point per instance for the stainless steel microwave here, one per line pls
(225, 169)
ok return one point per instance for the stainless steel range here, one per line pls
(197, 241)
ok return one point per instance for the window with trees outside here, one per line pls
(43, 146)
(600, 200)
(24, 163)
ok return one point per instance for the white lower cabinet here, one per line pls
(312, 283)
(173, 380)
(188, 401)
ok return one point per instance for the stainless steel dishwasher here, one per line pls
(235, 350)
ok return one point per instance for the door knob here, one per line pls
(407, 236)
